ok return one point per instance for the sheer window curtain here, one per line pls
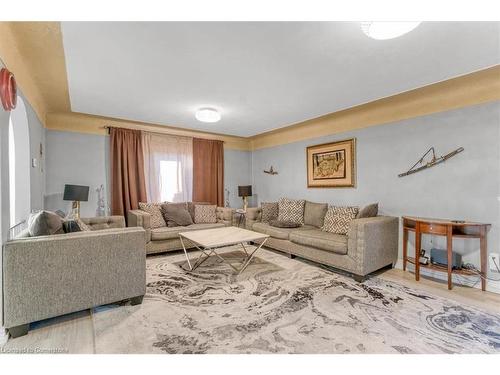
(168, 167)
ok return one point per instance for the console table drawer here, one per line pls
(434, 228)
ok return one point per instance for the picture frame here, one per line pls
(332, 165)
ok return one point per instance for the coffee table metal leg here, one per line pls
(185, 253)
(249, 259)
(244, 249)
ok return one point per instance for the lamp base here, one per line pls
(245, 204)
(76, 209)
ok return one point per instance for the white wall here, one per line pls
(22, 170)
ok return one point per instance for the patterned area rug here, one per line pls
(282, 305)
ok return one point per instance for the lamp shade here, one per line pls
(245, 191)
(76, 193)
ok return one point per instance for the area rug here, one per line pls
(282, 305)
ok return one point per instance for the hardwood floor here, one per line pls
(74, 333)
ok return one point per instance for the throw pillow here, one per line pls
(283, 224)
(154, 209)
(269, 211)
(205, 214)
(176, 214)
(338, 219)
(314, 213)
(71, 226)
(370, 210)
(191, 207)
(291, 210)
(44, 223)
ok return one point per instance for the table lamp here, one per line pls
(77, 194)
(245, 191)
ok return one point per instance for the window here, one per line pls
(19, 165)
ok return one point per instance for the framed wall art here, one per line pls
(332, 164)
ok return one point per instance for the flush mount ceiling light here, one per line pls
(207, 115)
(387, 30)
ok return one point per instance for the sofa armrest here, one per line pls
(253, 213)
(48, 276)
(104, 222)
(225, 215)
(139, 218)
(373, 242)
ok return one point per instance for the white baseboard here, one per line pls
(491, 286)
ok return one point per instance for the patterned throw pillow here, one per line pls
(154, 209)
(205, 214)
(269, 211)
(338, 219)
(291, 210)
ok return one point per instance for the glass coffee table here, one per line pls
(210, 241)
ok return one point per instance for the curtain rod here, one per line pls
(107, 127)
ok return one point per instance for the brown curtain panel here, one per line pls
(208, 171)
(128, 186)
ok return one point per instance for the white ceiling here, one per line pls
(260, 75)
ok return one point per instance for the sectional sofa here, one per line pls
(163, 239)
(370, 244)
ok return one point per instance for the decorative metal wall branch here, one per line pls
(271, 171)
(434, 161)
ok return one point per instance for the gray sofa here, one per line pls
(163, 239)
(54, 275)
(370, 244)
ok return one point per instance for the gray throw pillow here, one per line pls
(283, 224)
(370, 210)
(44, 223)
(269, 211)
(176, 214)
(314, 213)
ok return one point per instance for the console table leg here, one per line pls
(418, 238)
(483, 244)
(449, 249)
(405, 247)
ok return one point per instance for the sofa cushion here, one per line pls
(338, 219)
(370, 210)
(336, 243)
(283, 224)
(314, 213)
(154, 209)
(205, 214)
(291, 210)
(168, 233)
(280, 233)
(44, 223)
(176, 214)
(269, 211)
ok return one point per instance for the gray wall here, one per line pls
(465, 187)
(83, 159)
(78, 159)
(237, 171)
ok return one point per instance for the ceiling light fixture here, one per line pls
(387, 30)
(207, 115)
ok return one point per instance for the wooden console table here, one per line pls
(449, 229)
